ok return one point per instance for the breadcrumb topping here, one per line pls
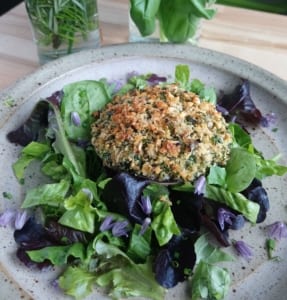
(161, 132)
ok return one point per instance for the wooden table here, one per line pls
(260, 38)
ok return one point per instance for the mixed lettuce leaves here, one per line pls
(130, 235)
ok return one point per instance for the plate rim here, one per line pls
(223, 61)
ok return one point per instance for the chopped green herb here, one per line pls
(7, 195)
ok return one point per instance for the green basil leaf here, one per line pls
(143, 14)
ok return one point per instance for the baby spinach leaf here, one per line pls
(83, 98)
(240, 170)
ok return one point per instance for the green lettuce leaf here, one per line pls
(121, 275)
(206, 252)
(236, 201)
(33, 151)
(163, 223)
(269, 167)
(51, 194)
(140, 244)
(209, 281)
(79, 214)
(182, 74)
(58, 255)
(77, 282)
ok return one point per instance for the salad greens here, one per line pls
(130, 235)
(178, 19)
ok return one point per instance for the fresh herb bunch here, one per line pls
(57, 22)
(178, 19)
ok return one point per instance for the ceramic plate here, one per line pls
(258, 279)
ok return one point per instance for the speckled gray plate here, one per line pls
(258, 279)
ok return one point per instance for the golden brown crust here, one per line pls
(163, 133)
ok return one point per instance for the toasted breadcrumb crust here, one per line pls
(161, 132)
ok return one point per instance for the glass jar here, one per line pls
(62, 27)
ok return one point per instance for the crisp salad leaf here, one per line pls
(120, 274)
(58, 255)
(83, 98)
(163, 222)
(29, 153)
(77, 282)
(182, 74)
(236, 201)
(269, 167)
(79, 213)
(206, 252)
(51, 194)
(140, 244)
(209, 281)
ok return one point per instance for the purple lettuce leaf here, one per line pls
(240, 103)
(174, 263)
(61, 234)
(35, 236)
(29, 130)
(256, 193)
(122, 195)
(186, 209)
